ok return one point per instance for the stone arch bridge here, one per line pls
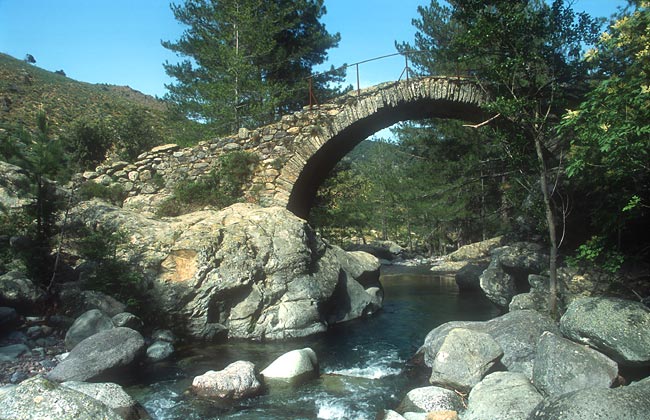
(297, 153)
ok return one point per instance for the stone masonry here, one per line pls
(296, 153)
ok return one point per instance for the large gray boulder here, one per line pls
(236, 381)
(507, 274)
(77, 301)
(293, 366)
(468, 278)
(19, 292)
(38, 398)
(628, 402)
(99, 355)
(159, 350)
(464, 357)
(476, 251)
(617, 327)
(15, 187)
(516, 332)
(241, 272)
(87, 324)
(502, 396)
(113, 396)
(562, 366)
(430, 398)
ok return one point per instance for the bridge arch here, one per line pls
(339, 126)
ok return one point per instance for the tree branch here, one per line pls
(486, 122)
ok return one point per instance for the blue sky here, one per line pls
(118, 41)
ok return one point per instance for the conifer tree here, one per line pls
(247, 61)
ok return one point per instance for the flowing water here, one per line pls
(362, 362)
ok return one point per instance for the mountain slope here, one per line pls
(26, 89)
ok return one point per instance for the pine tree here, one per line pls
(247, 60)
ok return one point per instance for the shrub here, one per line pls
(108, 273)
(136, 134)
(87, 143)
(221, 188)
(114, 193)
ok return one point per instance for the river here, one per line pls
(362, 362)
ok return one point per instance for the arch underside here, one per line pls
(321, 163)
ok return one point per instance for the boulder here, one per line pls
(430, 398)
(113, 396)
(578, 282)
(508, 272)
(89, 323)
(91, 299)
(15, 187)
(12, 352)
(617, 327)
(391, 415)
(350, 300)
(38, 398)
(8, 318)
(476, 251)
(562, 366)
(295, 365)
(627, 402)
(160, 350)
(100, 355)
(163, 335)
(502, 396)
(536, 299)
(385, 250)
(242, 272)
(442, 415)
(128, 320)
(238, 380)
(516, 332)
(464, 357)
(468, 277)
(19, 292)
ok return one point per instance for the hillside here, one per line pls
(25, 89)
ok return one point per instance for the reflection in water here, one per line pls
(361, 361)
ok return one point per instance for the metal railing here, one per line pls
(406, 72)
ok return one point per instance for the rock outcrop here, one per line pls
(502, 396)
(517, 333)
(617, 327)
(562, 366)
(99, 355)
(242, 272)
(507, 274)
(38, 398)
(627, 402)
(293, 366)
(236, 381)
(430, 398)
(464, 357)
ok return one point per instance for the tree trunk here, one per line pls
(550, 222)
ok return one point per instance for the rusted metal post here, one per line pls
(406, 59)
(312, 97)
(358, 84)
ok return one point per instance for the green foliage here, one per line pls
(43, 160)
(248, 60)
(221, 188)
(107, 272)
(28, 89)
(87, 142)
(610, 150)
(136, 134)
(597, 252)
(432, 189)
(114, 194)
